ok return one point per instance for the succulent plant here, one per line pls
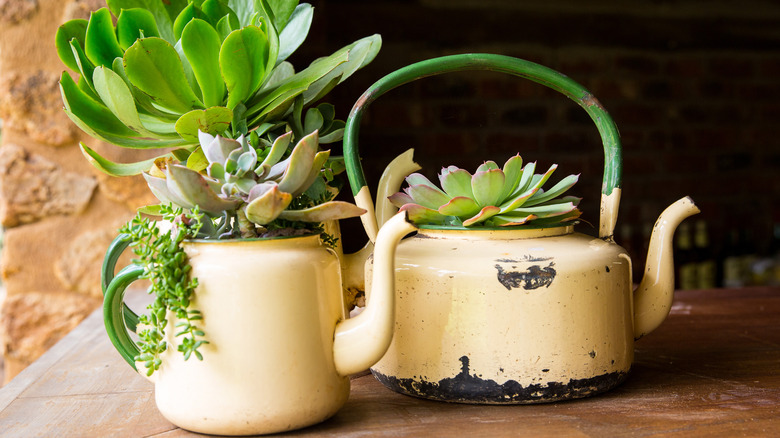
(251, 182)
(493, 196)
(171, 68)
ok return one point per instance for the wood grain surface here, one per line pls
(712, 369)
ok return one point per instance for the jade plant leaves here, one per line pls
(133, 24)
(201, 44)
(242, 59)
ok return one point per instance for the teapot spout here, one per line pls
(653, 297)
(361, 341)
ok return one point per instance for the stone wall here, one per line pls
(59, 213)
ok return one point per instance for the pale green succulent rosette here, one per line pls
(492, 197)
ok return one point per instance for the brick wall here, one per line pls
(692, 86)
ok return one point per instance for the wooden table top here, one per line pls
(712, 369)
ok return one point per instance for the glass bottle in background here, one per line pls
(705, 257)
(685, 259)
(732, 264)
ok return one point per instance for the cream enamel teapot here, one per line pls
(518, 315)
(280, 347)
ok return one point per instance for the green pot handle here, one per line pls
(113, 253)
(610, 137)
(115, 311)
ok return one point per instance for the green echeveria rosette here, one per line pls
(491, 197)
(153, 73)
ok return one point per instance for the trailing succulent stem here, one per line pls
(493, 196)
(166, 266)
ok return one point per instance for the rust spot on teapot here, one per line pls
(532, 278)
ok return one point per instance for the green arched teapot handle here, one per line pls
(113, 253)
(114, 313)
(610, 137)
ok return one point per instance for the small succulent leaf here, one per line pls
(487, 165)
(191, 187)
(316, 169)
(153, 65)
(242, 60)
(556, 190)
(268, 206)
(226, 25)
(161, 10)
(327, 110)
(487, 186)
(197, 160)
(539, 179)
(245, 185)
(185, 17)
(278, 149)
(155, 210)
(301, 161)
(201, 44)
(320, 88)
(84, 65)
(283, 11)
(133, 24)
(513, 172)
(118, 98)
(421, 215)
(483, 215)
(332, 136)
(399, 199)
(231, 164)
(117, 169)
(216, 171)
(416, 178)
(510, 221)
(159, 188)
(427, 196)
(544, 211)
(65, 33)
(259, 190)
(461, 207)
(332, 210)
(247, 161)
(100, 42)
(313, 121)
(279, 74)
(456, 182)
(525, 179)
(214, 120)
(517, 201)
(216, 10)
(294, 33)
(294, 85)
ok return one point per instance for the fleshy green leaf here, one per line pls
(278, 149)
(460, 206)
(422, 215)
(161, 10)
(242, 60)
(117, 169)
(132, 24)
(513, 172)
(313, 121)
(314, 172)
(554, 192)
(327, 211)
(525, 179)
(72, 29)
(509, 221)
(427, 196)
(487, 186)
(214, 120)
(456, 182)
(117, 97)
(197, 161)
(100, 43)
(283, 9)
(487, 165)
(301, 161)
(201, 45)
(295, 31)
(517, 201)
(153, 66)
(185, 17)
(268, 206)
(216, 10)
(84, 65)
(483, 215)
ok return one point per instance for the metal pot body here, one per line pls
(270, 308)
(509, 317)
